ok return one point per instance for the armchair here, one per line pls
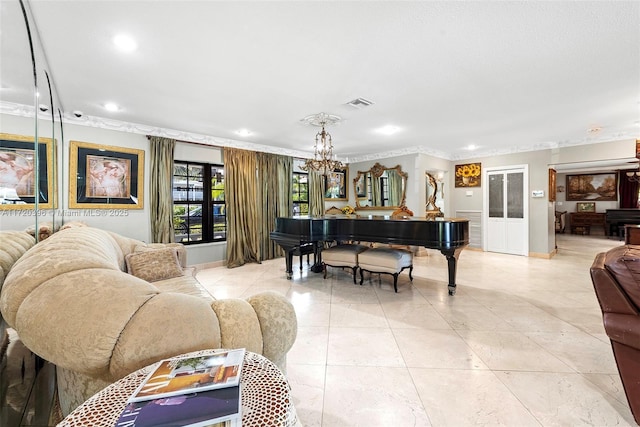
(616, 275)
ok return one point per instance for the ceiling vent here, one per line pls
(359, 103)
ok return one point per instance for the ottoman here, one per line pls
(386, 260)
(345, 255)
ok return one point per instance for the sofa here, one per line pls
(615, 275)
(99, 306)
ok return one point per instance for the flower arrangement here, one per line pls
(348, 210)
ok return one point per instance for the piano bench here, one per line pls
(387, 261)
(305, 249)
(344, 255)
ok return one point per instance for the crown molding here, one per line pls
(121, 126)
(22, 110)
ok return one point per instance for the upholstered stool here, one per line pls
(386, 260)
(345, 255)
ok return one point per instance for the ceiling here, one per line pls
(503, 76)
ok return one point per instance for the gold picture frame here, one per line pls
(586, 207)
(105, 177)
(17, 173)
(552, 185)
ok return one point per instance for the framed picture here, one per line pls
(552, 185)
(592, 187)
(19, 172)
(335, 185)
(105, 177)
(468, 175)
(586, 207)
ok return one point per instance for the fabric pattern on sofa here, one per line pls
(73, 303)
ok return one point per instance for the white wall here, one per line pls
(136, 223)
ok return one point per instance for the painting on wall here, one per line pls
(105, 177)
(21, 169)
(468, 175)
(592, 187)
(552, 185)
(335, 185)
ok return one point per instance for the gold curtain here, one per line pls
(161, 187)
(316, 194)
(274, 198)
(242, 207)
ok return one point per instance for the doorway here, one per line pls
(506, 210)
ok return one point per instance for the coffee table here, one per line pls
(266, 400)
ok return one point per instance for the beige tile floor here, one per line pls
(520, 344)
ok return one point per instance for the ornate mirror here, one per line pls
(380, 188)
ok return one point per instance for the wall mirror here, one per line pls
(29, 174)
(380, 187)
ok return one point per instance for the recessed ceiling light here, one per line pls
(388, 130)
(110, 106)
(125, 43)
(472, 147)
(243, 132)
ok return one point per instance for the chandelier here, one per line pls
(633, 176)
(324, 161)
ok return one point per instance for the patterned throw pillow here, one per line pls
(159, 264)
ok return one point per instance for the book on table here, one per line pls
(188, 391)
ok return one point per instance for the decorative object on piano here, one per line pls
(335, 184)
(552, 185)
(586, 207)
(380, 188)
(431, 210)
(348, 210)
(323, 160)
(468, 175)
(595, 187)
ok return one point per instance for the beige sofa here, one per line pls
(13, 244)
(73, 302)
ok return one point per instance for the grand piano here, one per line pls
(615, 219)
(448, 235)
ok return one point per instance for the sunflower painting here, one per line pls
(468, 175)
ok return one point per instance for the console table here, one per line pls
(266, 401)
(581, 222)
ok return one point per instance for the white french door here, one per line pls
(507, 210)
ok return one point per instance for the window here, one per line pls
(198, 202)
(300, 193)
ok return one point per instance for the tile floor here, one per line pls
(520, 344)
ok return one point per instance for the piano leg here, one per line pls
(317, 258)
(289, 262)
(452, 261)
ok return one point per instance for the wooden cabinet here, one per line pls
(581, 222)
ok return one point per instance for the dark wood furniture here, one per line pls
(448, 235)
(632, 234)
(616, 219)
(581, 222)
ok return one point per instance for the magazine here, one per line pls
(216, 408)
(191, 374)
